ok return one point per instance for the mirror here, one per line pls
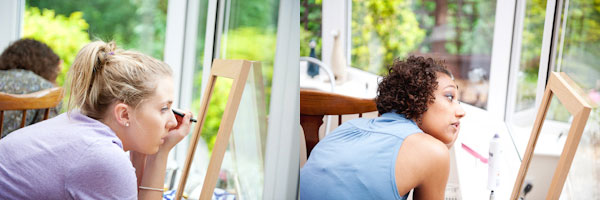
(245, 156)
(237, 71)
(549, 146)
(554, 139)
(206, 141)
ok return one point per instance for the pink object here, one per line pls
(474, 153)
(595, 96)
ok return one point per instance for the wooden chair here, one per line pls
(43, 99)
(314, 105)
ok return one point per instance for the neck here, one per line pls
(111, 121)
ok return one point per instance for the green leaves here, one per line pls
(382, 31)
(65, 35)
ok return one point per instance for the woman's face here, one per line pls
(441, 120)
(153, 118)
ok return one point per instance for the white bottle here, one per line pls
(494, 163)
(338, 60)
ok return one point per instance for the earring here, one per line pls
(126, 123)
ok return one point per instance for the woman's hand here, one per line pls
(178, 133)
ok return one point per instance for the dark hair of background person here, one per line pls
(32, 55)
(409, 85)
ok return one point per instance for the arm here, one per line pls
(423, 163)
(139, 162)
(433, 186)
(153, 174)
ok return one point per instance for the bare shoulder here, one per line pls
(426, 147)
(422, 159)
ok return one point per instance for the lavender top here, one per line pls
(65, 158)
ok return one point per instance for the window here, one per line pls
(578, 55)
(68, 25)
(458, 32)
(241, 33)
(521, 109)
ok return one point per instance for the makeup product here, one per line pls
(494, 163)
(474, 153)
(181, 115)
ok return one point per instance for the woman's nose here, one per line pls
(172, 123)
(460, 112)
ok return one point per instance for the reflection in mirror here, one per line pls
(245, 157)
(548, 149)
(214, 113)
(583, 180)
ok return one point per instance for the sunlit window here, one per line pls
(68, 25)
(578, 55)
(458, 32)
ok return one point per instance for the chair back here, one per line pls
(43, 99)
(314, 105)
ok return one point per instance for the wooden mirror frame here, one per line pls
(238, 71)
(573, 98)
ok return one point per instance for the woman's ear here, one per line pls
(122, 114)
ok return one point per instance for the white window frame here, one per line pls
(545, 66)
(11, 13)
(336, 19)
(282, 156)
(501, 57)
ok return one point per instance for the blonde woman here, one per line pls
(120, 101)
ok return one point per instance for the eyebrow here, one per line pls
(452, 85)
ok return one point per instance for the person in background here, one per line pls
(120, 101)
(405, 148)
(27, 66)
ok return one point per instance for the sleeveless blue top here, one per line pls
(357, 160)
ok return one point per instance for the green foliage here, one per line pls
(382, 31)
(132, 24)
(214, 113)
(310, 26)
(305, 38)
(65, 35)
(533, 29)
(527, 84)
(257, 44)
(254, 13)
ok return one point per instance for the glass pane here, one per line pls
(214, 114)
(458, 32)
(68, 25)
(250, 33)
(247, 143)
(197, 88)
(531, 46)
(522, 114)
(310, 20)
(578, 55)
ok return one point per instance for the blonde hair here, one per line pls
(102, 74)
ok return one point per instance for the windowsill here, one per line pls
(478, 128)
(358, 83)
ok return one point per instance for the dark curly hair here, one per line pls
(32, 55)
(408, 88)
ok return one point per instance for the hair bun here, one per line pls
(104, 52)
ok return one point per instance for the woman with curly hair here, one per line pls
(405, 148)
(27, 66)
